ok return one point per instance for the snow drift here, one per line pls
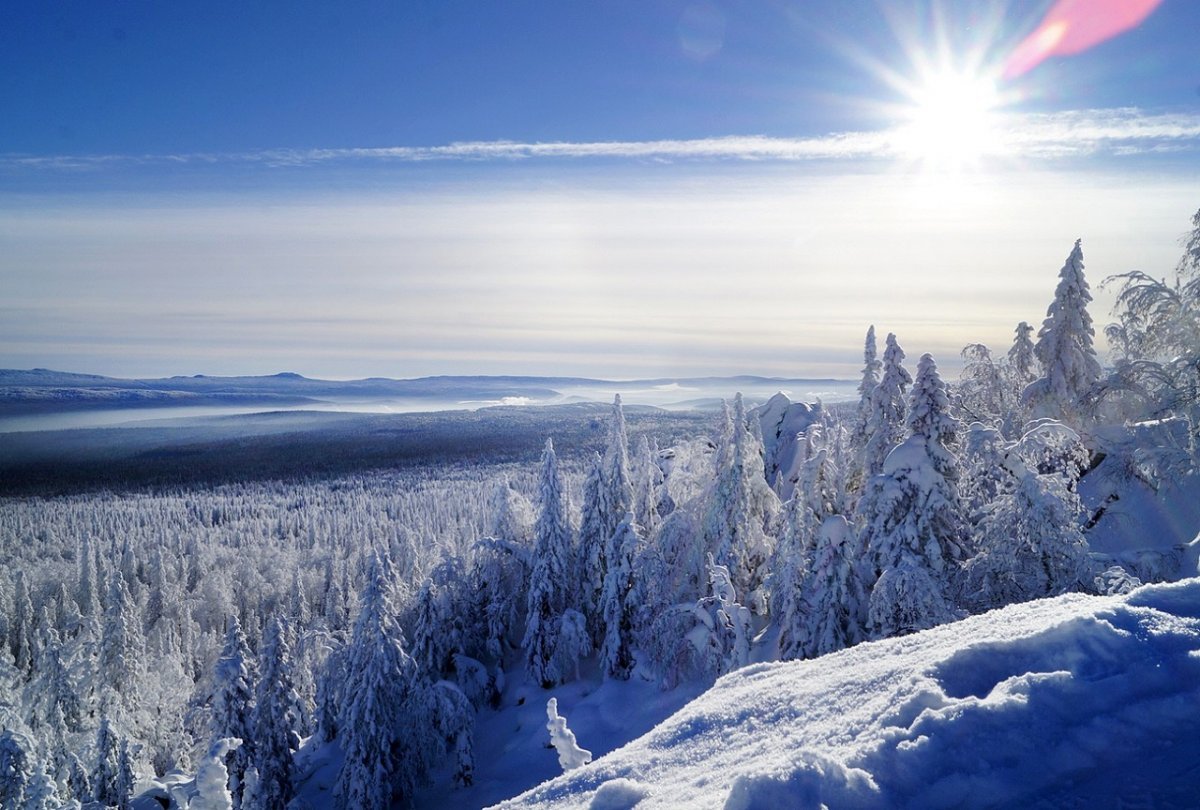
(1076, 700)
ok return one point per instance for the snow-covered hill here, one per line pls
(1075, 701)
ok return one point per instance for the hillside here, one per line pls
(1075, 701)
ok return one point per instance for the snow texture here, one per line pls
(1077, 701)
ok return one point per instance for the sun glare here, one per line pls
(951, 124)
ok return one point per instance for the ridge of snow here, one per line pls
(1091, 701)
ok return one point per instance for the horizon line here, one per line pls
(1117, 132)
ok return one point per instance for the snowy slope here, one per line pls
(1075, 701)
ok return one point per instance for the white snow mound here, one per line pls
(1074, 701)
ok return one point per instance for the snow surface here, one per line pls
(512, 747)
(1075, 701)
(1152, 533)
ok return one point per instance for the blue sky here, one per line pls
(612, 189)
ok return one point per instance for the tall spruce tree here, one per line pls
(275, 719)
(885, 420)
(591, 552)
(1064, 349)
(913, 530)
(616, 653)
(550, 583)
(380, 735)
(739, 505)
(832, 596)
(859, 433)
(616, 492)
(233, 704)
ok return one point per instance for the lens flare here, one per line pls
(1073, 26)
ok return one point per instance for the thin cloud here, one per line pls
(1079, 133)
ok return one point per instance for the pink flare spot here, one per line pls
(1073, 26)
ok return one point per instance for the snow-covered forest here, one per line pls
(334, 643)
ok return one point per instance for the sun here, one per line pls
(951, 121)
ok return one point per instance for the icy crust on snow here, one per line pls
(1073, 701)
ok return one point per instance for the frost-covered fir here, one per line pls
(1064, 348)
(723, 626)
(591, 557)
(382, 736)
(884, 427)
(913, 532)
(551, 589)
(819, 494)
(275, 719)
(1030, 541)
(859, 431)
(616, 490)
(740, 504)
(618, 603)
(233, 705)
(832, 598)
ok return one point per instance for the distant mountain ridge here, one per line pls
(20, 384)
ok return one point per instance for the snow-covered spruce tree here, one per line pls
(549, 584)
(55, 694)
(1022, 360)
(572, 644)
(380, 733)
(1030, 543)
(16, 770)
(671, 578)
(233, 704)
(722, 634)
(885, 419)
(427, 629)
(88, 596)
(21, 627)
(912, 525)
(985, 474)
(275, 719)
(453, 717)
(212, 778)
(1064, 349)
(832, 596)
(616, 490)
(739, 505)
(859, 432)
(122, 646)
(41, 792)
(330, 696)
(512, 515)
(929, 417)
(790, 567)
(616, 654)
(649, 486)
(500, 572)
(444, 623)
(77, 781)
(818, 495)
(112, 776)
(607, 499)
(499, 578)
(590, 558)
